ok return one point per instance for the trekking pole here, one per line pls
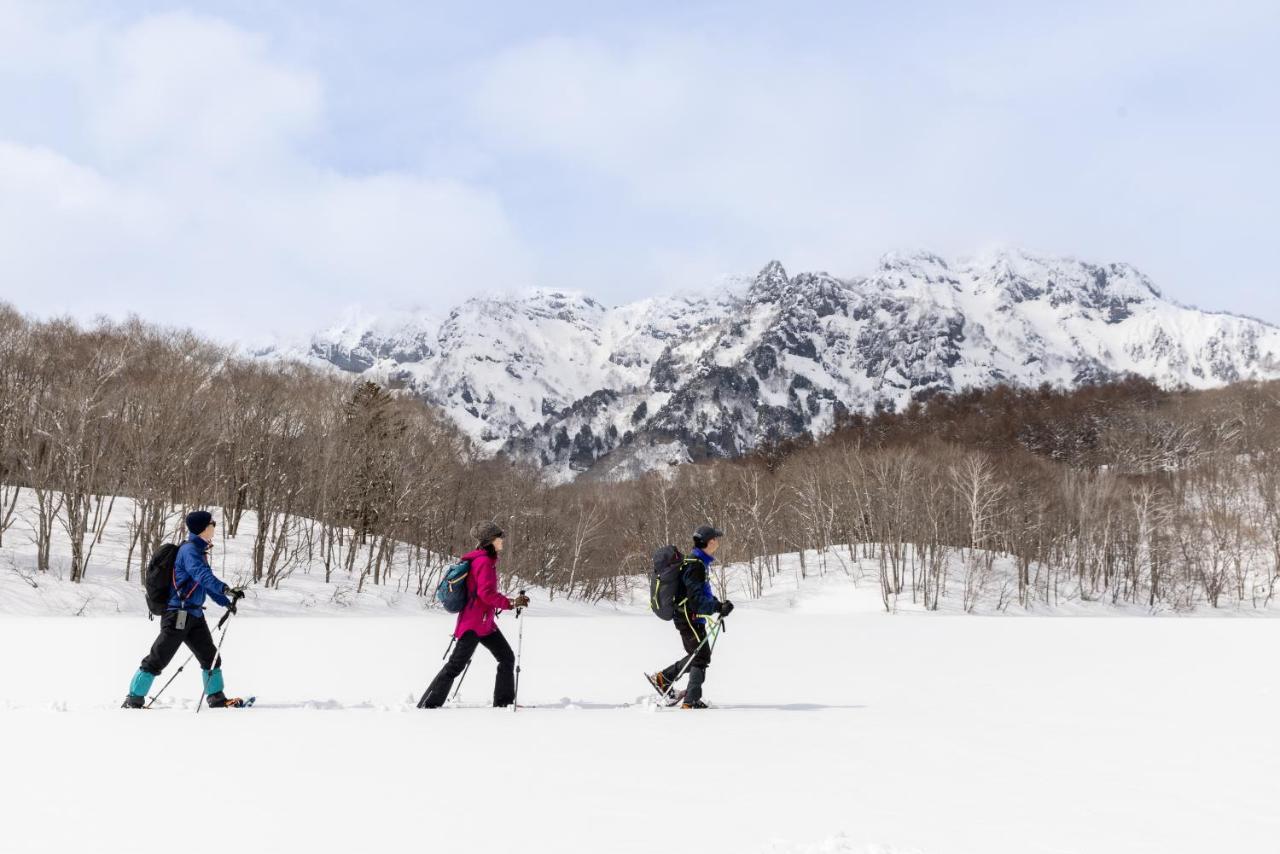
(448, 649)
(171, 678)
(714, 633)
(461, 679)
(217, 652)
(515, 700)
(721, 626)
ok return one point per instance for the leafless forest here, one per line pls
(1122, 492)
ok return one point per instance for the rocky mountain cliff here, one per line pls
(557, 378)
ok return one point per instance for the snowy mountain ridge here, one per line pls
(559, 379)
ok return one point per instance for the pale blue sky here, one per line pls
(259, 167)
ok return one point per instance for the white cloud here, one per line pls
(291, 161)
(802, 158)
(181, 86)
(678, 119)
(182, 189)
(1107, 133)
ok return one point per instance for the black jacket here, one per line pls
(699, 600)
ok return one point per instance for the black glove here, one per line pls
(726, 608)
(234, 595)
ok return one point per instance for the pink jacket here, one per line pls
(482, 584)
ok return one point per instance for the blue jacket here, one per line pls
(193, 578)
(700, 599)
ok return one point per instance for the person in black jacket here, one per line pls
(699, 602)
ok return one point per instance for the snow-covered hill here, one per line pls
(557, 378)
(112, 585)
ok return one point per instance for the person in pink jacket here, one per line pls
(476, 625)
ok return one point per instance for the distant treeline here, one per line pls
(1123, 492)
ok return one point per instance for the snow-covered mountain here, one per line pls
(557, 378)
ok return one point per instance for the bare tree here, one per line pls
(979, 492)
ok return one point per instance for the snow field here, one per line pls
(839, 728)
(836, 731)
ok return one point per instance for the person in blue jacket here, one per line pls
(183, 621)
(699, 602)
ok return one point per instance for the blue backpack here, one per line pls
(451, 592)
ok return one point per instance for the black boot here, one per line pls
(222, 701)
(133, 701)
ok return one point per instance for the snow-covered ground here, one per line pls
(835, 731)
(837, 727)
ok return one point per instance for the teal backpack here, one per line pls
(451, 592)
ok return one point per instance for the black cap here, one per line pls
(706, 534)
(198, 521)
(484, 533)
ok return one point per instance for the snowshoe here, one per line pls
(222, 701)
(133, 701)
(696, 704)
(662, 688)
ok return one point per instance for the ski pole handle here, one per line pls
(518, 610)
(226, 615)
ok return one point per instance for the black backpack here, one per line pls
(666, 590)
(158, 579)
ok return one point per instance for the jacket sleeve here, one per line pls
(701, 600)
(199, 569)
(487, 586)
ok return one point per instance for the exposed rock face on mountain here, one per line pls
(557, 378)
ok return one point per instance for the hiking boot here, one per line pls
(133, 701)
(696, 704)
(222, 701)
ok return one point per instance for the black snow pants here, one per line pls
(196, 636)
(691, 635)
(504, 687)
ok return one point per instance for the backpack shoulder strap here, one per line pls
(176, 588)
(684, 568)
